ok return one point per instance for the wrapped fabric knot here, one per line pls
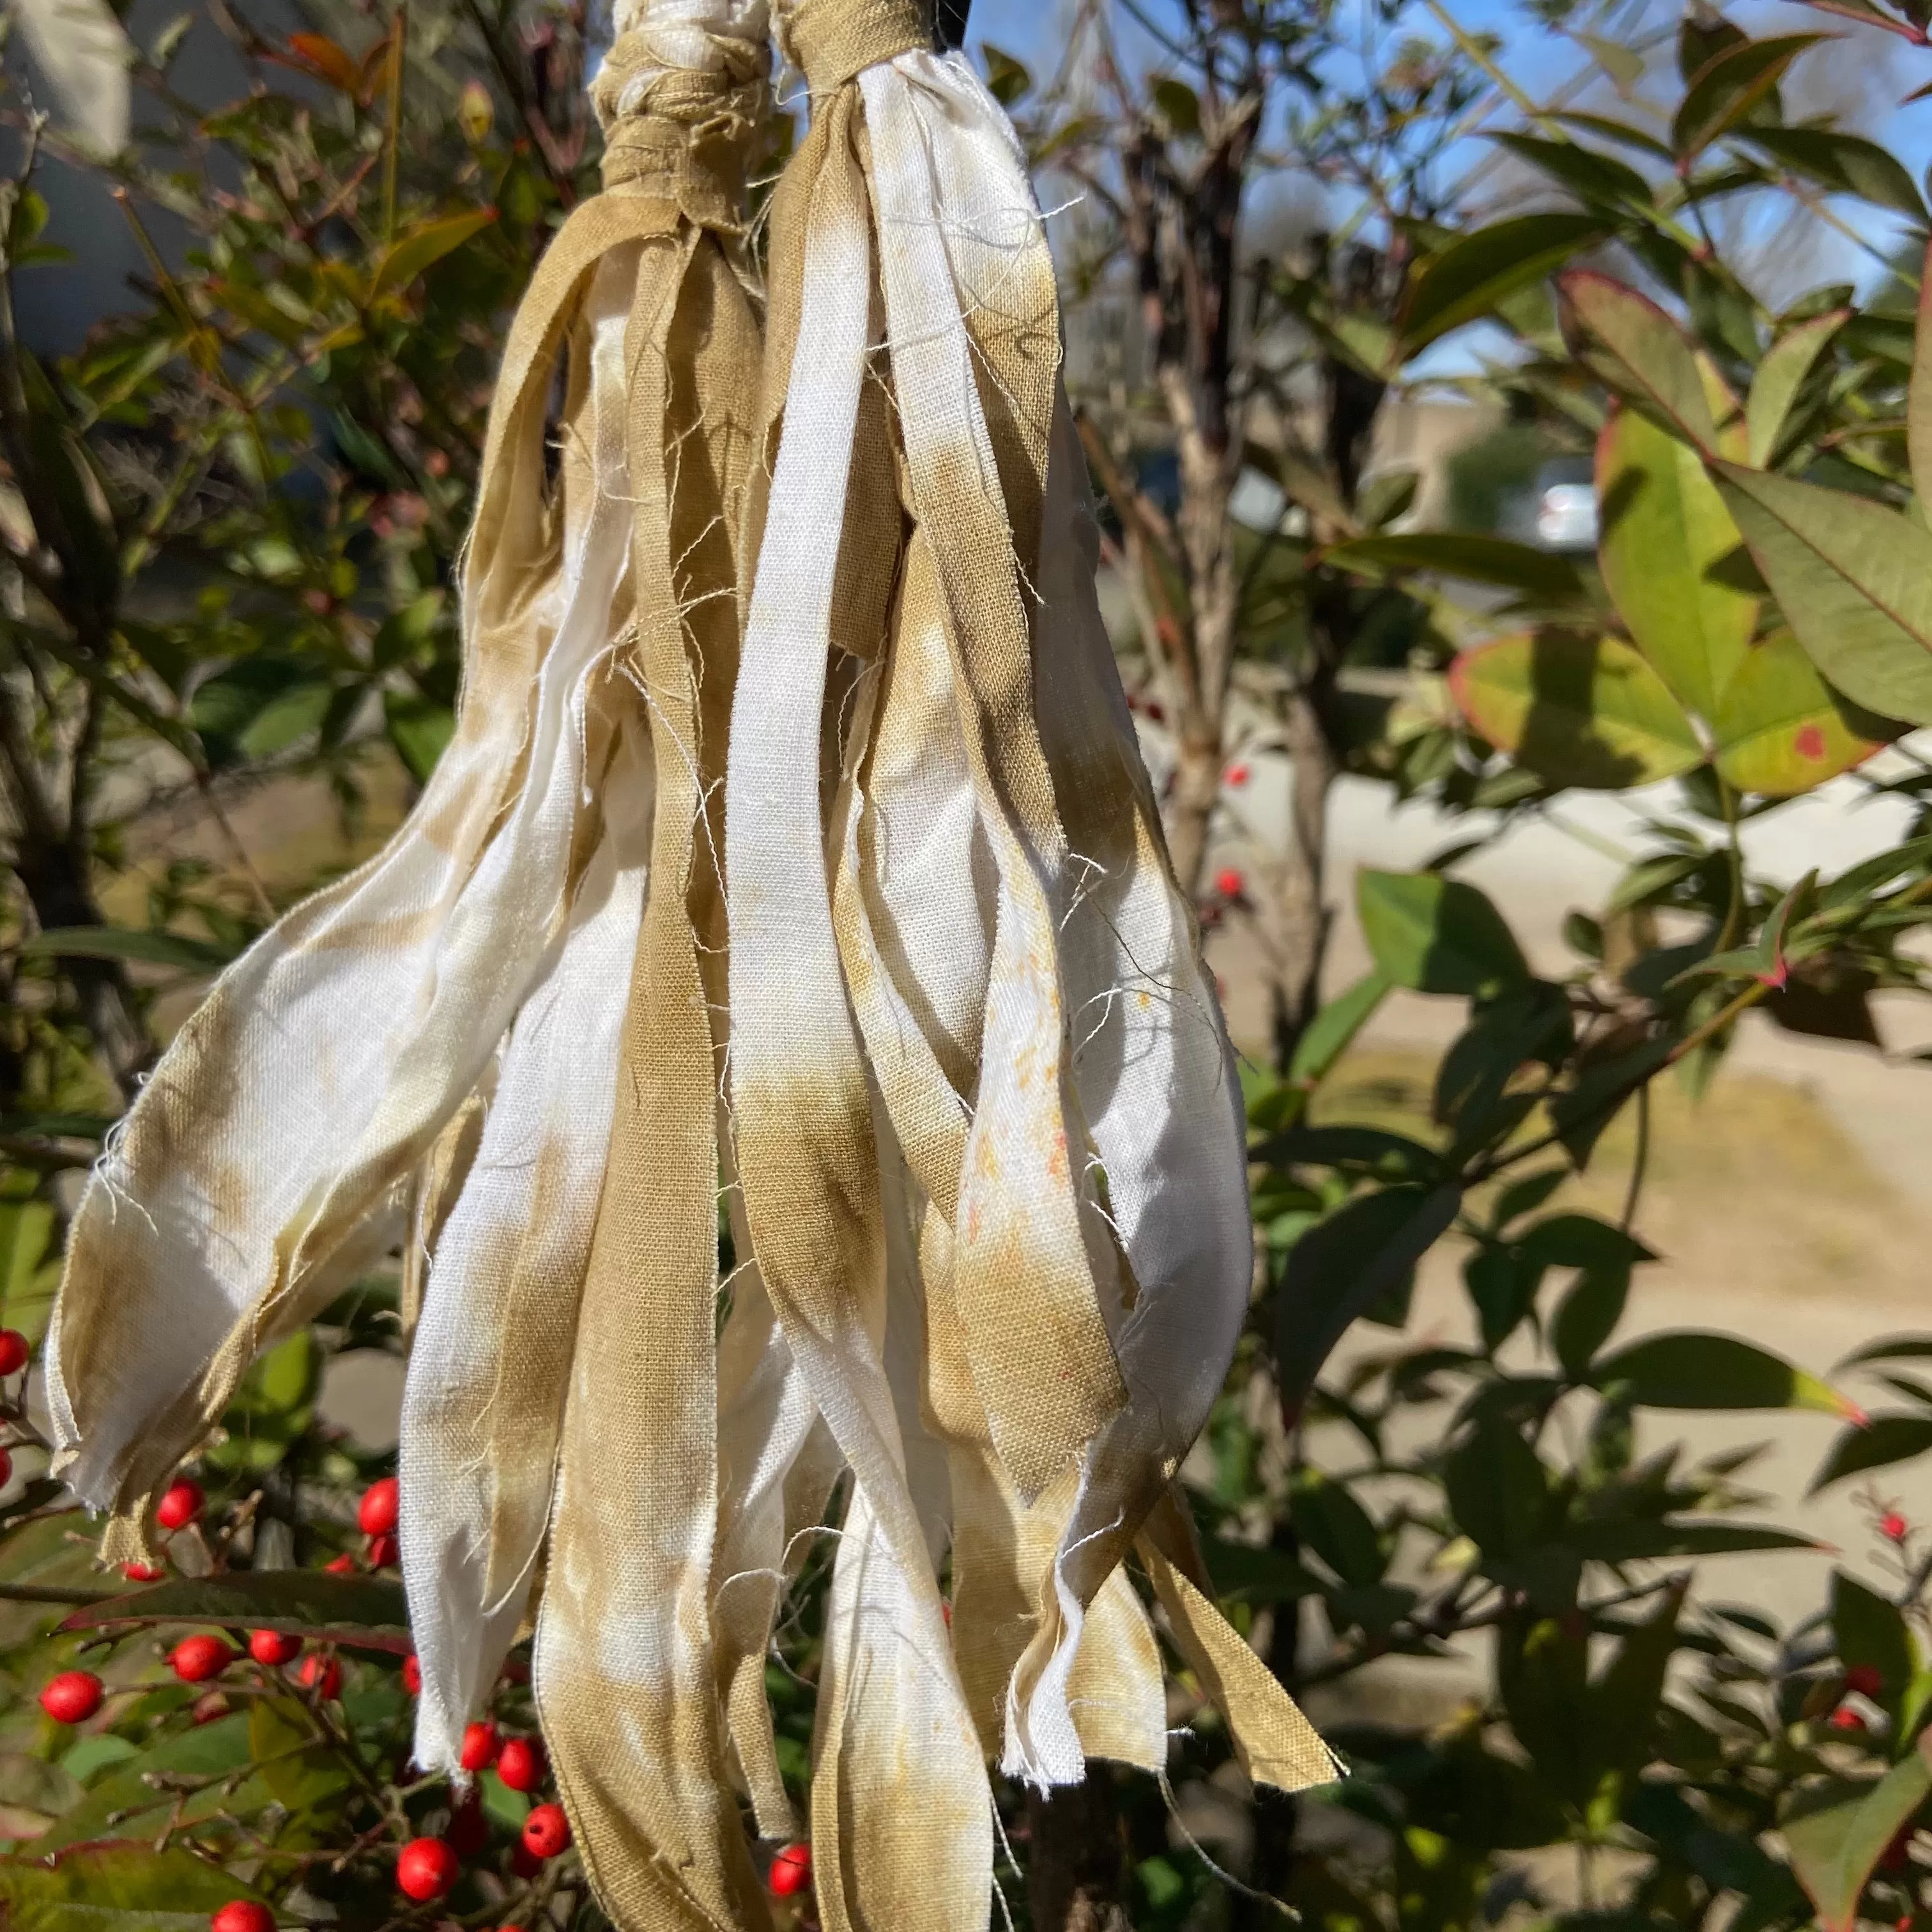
(833, 41)
(682, 98)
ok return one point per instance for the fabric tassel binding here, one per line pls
(793, 842)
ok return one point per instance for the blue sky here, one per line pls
(1864, 77)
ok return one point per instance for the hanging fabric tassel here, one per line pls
(1001, 956)
(269, 1159)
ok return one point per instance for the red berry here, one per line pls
(1894, 1526)
(468, 1830)
(791, 1870)
(546, 1830)
(523, 1863)
(425, 1868)
(322, 1674)
(344, 1565)
(73, 1697)
(6, 1468)
(1229, 883)
(520, 1764)
(1864, 1679)
(14, 1351)
(412, 1675)
(376, 1512)
(196, 1659)
(245, 1914)
(273, 1647)
(480, 1744)
(1844, 1718)
(384, 1552)
(143, 1573)
(181, 1505)
(1236, 776)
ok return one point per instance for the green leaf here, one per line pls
(1695, 1369)
(1627, 1697)
(419, 728)
(407, 258)
(1180, 105)
(134, 1789)
(1468, 557)
(1477, 271)
(1786, 363)
(1854, 580)
(1918, 397)
(118, 1887)
(1649, 1540)
(1587, 1317)
(1342, 1267)
(1353, 1149)
(1326, 1037)
(1332, 1524)
(1592, 176)
(258, 707)
(1629, 341)
(1891, 1347)
(1728, 88)
(1620, 132)
(1781, 729)
(1872, 1633)
(1895, 1438)
(1669, 553)
(406, 632)
(272, 1407)
(1834, 1849)
(1244, 1574)
(362, 1611)
(1844, 163)
(1007, 79)
(147, 949)
(304, 1773)
(1436, 935)
(1581, 711)
(1498, 1490)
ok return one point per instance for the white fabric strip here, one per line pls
(953, 200)
(352, 1030)
(790, 1026)
(513, 1254)
(1157, 1081)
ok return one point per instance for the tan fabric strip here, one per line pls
(831, 41)
(624, 1676)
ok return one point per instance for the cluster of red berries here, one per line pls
(426, 1868)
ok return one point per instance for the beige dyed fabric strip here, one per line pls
(624, 1677)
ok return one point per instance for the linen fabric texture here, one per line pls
(793, 861)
